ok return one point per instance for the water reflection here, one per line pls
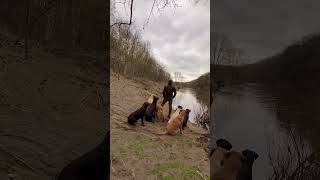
(248, 118)
(188, 100)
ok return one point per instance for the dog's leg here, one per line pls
(142, 121)
(153, 116)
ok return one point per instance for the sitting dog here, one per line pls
(175, 114)
(151, 110)
(186, 118)
(217, 155)
(93, 165)
(245, 172)
(175, 124)
(231, 165)
(138, 114)
(159, 113)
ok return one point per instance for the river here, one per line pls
(248, 117)
(187, 98)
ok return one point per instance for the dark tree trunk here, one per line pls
(27, 29)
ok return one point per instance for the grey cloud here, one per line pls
(262, 28)
(180, 38)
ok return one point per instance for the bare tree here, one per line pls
(156, 4)
(27, 29)
(177, 76)
(220, 42)
(232, 56)
(292, 158)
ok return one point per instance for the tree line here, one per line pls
(57, 23)
(132, 56)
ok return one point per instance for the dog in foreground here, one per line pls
(245, 173)
(231, 165)
(217, 154)
(224, 168)
(94, 165)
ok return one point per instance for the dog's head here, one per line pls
(145, 105)
(155, 98)
(182, 113)
(224, 144)
(233, 157)
(250, 155)
(187, 111)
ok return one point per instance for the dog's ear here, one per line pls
(224, 144)
(245, 152)
(256, 155)
(212, 151)
(218, 142)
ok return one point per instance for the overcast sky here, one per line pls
(264, 27)
(179, 37)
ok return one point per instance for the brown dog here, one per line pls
(159, 113)
(175, 124)
(231, 165)
(175, 114)
(217, 155)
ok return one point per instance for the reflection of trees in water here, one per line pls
(203, 96)
(295, 155)
(292, 158)
(201, 111)
(298, 107)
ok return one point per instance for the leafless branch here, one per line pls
(123, 23)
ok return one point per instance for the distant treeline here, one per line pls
(297, 64)
(57, 23)
(202, 82)
(131, 55)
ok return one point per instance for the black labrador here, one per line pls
(186, 118)
(151, 110)
(245, 172)
(138, 114)
(95, 164)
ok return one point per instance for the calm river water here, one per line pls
(249, 118)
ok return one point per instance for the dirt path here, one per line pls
(136, 153)
(49, 112)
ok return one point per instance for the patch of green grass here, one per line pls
(132, 145)
(174, 170)
(169, 140)
(139, 144)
